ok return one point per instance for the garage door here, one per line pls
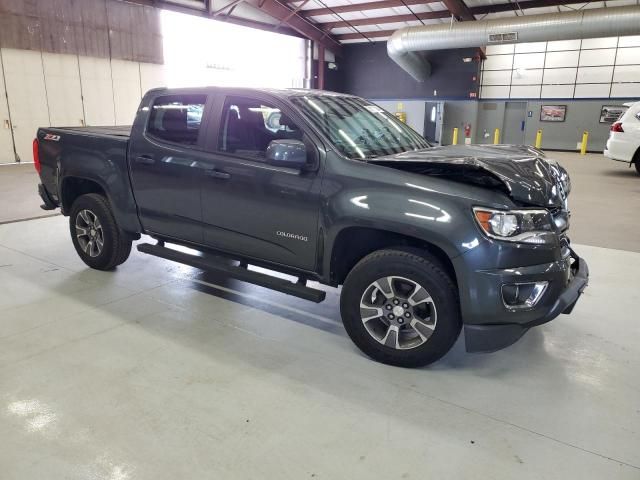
(126, 90)
(27, 97)
(62, 78)
(6, 141)
(97, 91)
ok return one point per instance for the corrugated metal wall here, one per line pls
(93, 28)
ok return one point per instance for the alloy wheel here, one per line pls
(89, 233)
(398, 312)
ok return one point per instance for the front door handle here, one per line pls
(217, 174)
(145, 160)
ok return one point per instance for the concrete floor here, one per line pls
(19, 198)
(604, 201)
(159, 371)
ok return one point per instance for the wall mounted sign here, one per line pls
(611, 113)
(553, 113)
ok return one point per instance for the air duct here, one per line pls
(405, 44)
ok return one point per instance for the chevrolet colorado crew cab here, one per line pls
(327, 187)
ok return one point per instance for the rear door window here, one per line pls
(177, 118)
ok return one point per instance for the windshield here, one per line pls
(357, 128)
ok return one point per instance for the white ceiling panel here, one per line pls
(312, 4)
(348, 16)
(379, 12)
(361, 28)
(479, 3)
(332, 3)
(342, 30)
(325, 18)
(388, 26)
(427, 7)
(400, 10)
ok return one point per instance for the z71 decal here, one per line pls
(53, 138)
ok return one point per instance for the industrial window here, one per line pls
(248, 126)
(177, 118)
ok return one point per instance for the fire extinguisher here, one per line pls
(467, 133)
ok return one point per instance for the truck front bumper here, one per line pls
(512, 325)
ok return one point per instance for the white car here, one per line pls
(624, 139)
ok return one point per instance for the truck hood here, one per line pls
(521, 171)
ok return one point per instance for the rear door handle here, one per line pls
(217, 174)
(145, 160)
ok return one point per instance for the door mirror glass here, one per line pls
(287, 153)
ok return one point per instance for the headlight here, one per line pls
(524, 226)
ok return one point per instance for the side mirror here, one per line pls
(287, 153)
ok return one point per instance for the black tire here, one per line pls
(421, 268)
(116, 245)
(636, 161)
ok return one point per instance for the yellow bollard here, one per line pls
(585, 140)
(496, 136)
(539, 139)
(455, 137)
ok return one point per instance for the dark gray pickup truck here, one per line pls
(327, 187)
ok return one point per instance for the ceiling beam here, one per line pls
(221, 10)
(290, 21)
(459, 9)
(294, 11)
(364, 35)
(390, 19)
(482, 10)
(359, 7)
(293, 20)
(517, 6)
(204, 12)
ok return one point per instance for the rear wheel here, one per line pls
(401, 308)
(95, 234)
(636, 161)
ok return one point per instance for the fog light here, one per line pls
(522, 295)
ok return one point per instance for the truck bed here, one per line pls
(119, 131)
(96, 157)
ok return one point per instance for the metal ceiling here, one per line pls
(331, 23)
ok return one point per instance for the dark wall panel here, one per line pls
(20, 24)
(97, 28)
(93, 37)
(366, 70)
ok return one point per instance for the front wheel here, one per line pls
(401, 308)
(95, 234)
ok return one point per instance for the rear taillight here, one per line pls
(617, 127)
(36, 155)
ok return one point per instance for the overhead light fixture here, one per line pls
(467, 59)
